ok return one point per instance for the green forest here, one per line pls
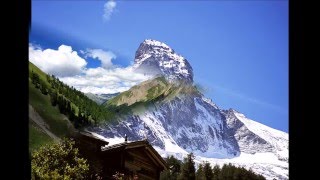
(80, 110)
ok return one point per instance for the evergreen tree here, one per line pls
(216, 172)
(35, 79)
(207, 169)
(200, 173)
(175, 166)
(226, 172)
(72, 115)
(174, 169)
(48, 78)
(229, 171)
(43, 88)
(53, 98)
(187, 168)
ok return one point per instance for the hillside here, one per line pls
(55, 109)
(157, 90)
(100, 98)
(56, 122)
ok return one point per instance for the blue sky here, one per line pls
(238, 49)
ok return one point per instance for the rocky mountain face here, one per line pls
(254, 137)
(188, 122)
(178, 119)
(156, 58)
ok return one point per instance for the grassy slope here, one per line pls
(141, 96)
(140, 93)
(41, 74)
(37, 137)
(41, 103)
(51, 115)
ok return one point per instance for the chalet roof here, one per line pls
(137, 144)
(93, 137)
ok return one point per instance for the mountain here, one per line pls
(177, 119)
(254, 137)
(55, 109)
(46, 123)
(156, 58)
(100, 98)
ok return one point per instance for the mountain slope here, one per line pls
(157, 89)
(255, 137)
(176, 108)
(176, 118)
(37, 119)
(100, 98)
(55, 107)
(41, 104)
(37, 137)
(55, 122)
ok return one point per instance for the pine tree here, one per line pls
(43, 88)
(53, 98)
(174, 169)
(200, 173)
(229, 171)
(207, 169)
(35, 79)
(216, 172)
(188, 169)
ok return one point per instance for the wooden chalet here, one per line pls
(135, 159)
(92, 142)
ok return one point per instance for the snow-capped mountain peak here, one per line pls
(156, 43)
(177, 119)
(157, 58)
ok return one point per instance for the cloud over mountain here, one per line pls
(61, 62)
(72, 69)
(104, 56)
(105, 81)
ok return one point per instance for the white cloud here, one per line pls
(109, 7)
(61, 62)
(71, 69)
(104, 56)
(105, 81)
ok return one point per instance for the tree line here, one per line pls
(81, 110)
(185, 170)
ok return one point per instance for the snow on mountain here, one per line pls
(277, 139)
(189, 122)
(156, 58)
(186, 125)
